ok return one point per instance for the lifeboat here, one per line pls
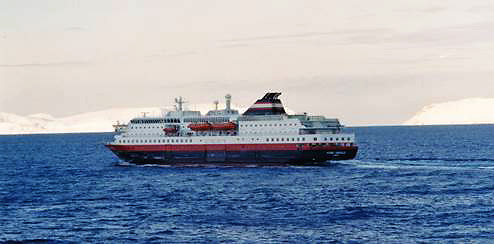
(200, 127)
(224, 126)
(170, 130)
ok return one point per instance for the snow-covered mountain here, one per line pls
(100, 121)
(465, 111)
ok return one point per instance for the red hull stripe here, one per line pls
(228, 147)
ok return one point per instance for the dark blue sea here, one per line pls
(429, 184)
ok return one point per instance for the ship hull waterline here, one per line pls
(235, 155)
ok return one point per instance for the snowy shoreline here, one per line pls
(91, 122)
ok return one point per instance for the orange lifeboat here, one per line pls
(200, 127)
(224, 126)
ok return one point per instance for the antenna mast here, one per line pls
(216, 105)
(180, 102)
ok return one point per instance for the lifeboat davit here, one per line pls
(224, 126)
(200, 127)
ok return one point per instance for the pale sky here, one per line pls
(365, 62)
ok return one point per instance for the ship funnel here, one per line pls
(228, 102)
(267, 105)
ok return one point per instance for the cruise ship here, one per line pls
(263, 135)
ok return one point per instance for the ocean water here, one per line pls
(429, 184)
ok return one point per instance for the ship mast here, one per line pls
(180, 102)
(216, 105)
(228, 102)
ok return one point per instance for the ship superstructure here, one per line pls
(264, 134)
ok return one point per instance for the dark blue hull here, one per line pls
(236, 157)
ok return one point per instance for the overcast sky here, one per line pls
(366, 62)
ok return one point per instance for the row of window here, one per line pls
(208, 119)
(156, 141)
(188, 141)
(278, 139)
(154, 121)
(150, 127)
(267, 125)
(147, 127)
(303, 139)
